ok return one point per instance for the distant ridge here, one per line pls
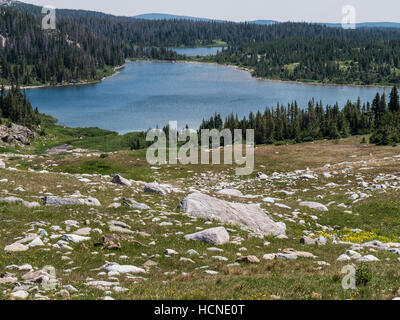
(164, 16)
(264, 22)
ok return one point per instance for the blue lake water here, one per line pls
(202, 51)
(146, 94)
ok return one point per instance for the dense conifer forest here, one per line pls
(87, 45)
(291, 124)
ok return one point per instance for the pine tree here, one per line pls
(394, 103)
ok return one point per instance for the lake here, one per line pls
(146, 94)
(202, 51)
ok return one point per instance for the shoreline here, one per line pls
(313, 83)
(249, 70)
(78, 84)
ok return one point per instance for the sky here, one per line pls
(239, 10)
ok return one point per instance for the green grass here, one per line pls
(300, 279)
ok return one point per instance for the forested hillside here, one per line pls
(323, 60)
(87, 45)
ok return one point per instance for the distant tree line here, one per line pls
(285, 124)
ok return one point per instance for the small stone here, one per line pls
(249, 259)
(170, 252)
(211, 272)
(192, 252)
(118, 179)
(186, 260)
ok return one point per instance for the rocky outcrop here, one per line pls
(249, 216)
(17, 134)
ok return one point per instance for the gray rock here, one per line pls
(134, 205)
(2, 164)
(7, 278)
(368, 258)
(16, 247)
(59, 149)
(343, 257)
(74, 238)
(211, 272)
(14, 200)
(216, 236)
(122, 269)
(186, 260)
(287, 256)
(118, 179)
(170, 252)
(37, 242)
(83, 232)
(58, 201)
(90, 201)
(70, 288)
(314, 205)
(157, 188)
(192, 252)
(20, 294)
(17, 134)
(249, 216)
(309, 241)
(262, 176)
(269, 256)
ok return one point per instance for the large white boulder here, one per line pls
(248, 216)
